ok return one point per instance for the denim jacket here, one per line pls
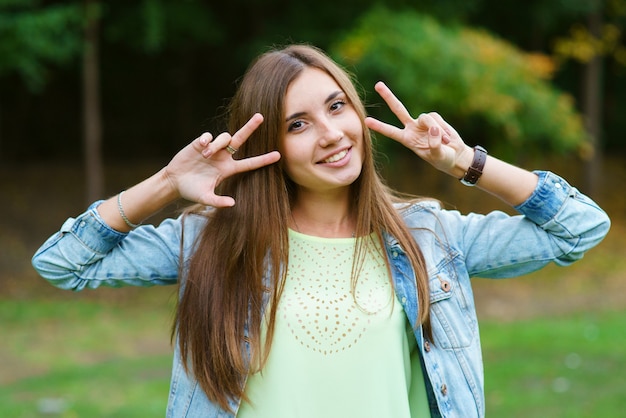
(556, 224)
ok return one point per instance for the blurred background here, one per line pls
(95, 96)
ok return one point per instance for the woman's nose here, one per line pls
(330, 134)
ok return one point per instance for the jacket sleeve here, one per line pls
(556, 224)
(86, 252)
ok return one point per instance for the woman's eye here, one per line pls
(336, 105)
(295, 125)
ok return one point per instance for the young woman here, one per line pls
(306, 288)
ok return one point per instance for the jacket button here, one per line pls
(445, 286)
(427, 346)
(444, 389)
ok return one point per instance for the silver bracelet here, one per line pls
(122, 214)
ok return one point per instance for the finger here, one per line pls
(434, 140)
(221, 141)
(425, 121)
(394, 103)
(383, 128)
(434, 130)
(217, 201)
(252, 163)
(445, 125)
(246, 130)
(200, 143)
(246, 164)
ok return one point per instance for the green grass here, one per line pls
(86, 358)
(80, 356)
(119, 387)
(83, 358)
(565, 367)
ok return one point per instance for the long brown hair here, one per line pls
(242, 253)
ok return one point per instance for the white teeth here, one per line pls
(336, 157)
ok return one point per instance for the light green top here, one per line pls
(337, 353)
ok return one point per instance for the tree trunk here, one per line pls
(592, 108)
(1, 136)
(92, 123)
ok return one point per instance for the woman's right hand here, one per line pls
(193, 174)
(196, 171)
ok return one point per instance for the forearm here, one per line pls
(511, 184)
(87, 253)
(139, 202)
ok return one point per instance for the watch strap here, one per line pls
(475, 170)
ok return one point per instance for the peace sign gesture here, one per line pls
(197, 170)
(428, 136)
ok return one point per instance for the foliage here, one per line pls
(451, 10)
(189, 52)
(485, 85)
(154, 25)
(581, 45)
(34, 37)
(531, 27)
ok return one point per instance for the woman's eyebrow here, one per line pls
(330, 97)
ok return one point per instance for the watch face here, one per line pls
(469, 182)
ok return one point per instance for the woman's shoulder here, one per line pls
(426, 213)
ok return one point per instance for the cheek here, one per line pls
(289, 154)
(357, 131)
(292, 160)
(360, 143)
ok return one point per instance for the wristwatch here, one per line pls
(475, 170)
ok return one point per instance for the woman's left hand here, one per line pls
(429, 136)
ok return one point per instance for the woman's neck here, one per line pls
(323, 216)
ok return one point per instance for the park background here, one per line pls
(95, 96)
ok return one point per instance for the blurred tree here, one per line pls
(166, 65)
(149, 26)
(591, 44)
(202, 47)
(92, 115)
(492, 91)
(173, 59)
(152, 26)
(586, 38)
(36, 38)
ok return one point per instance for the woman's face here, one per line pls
(322, 147)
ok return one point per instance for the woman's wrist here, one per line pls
(168, 190)
(462, 163)
(509, 183)
(139, 202)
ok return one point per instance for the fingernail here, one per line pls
(433, 131)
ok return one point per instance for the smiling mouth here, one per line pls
(335, 157)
